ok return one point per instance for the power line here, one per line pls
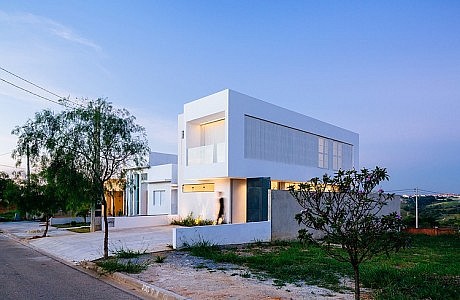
(35, 85)
(30, 92)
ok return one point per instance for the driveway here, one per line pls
(76, 247)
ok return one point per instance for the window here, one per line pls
(158, 197)
(192, 188)
(323, 153)
(213, 133)
(270, 141)
(144, 176)
(337, 155)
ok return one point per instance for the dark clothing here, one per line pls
(220, 215)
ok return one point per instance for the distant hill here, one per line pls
(433, 211)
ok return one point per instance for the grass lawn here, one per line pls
(429, 269)
(80, 229)
(70, 225)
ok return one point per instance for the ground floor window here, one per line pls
(158, 197)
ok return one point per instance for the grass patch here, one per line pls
(124, 260)
(128, 253)
(429, 269)
(115, 265)
(160, 259)
(70, 225)
(80, 229)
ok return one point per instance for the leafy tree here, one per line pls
(4, 182)
(96, 139)
(35, 197)
(347, 213)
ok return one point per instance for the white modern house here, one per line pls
(152, 190)
(243, 147)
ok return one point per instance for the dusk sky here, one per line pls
(388, 70)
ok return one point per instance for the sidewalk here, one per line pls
(81, 248)
(76, 247)
(180, 277)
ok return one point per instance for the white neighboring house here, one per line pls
(243, 147)
(152, 190)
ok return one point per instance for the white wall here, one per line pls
(233, 106)
(239, 202)
(166, 205)
(138, 221)
(241, 167)
(226, 234)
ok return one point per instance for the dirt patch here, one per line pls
(199, 278)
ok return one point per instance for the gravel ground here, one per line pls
(199, 278)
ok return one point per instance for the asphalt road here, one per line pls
(28, 274)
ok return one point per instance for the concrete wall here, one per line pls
(226, 234)
(138, 221)
(284, 207)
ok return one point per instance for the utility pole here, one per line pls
(28, 166)
(416, 207)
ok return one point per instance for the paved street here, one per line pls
(27, 274)
(75, 247)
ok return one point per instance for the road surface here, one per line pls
(28, 274)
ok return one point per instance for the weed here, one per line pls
(128, 253)
(160, 259)
(246, 275)
(115, 265)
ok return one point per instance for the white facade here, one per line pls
(152, 190)
(235, 144)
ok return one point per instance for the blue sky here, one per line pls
(389, 70)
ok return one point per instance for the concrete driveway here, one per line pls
(76, 247)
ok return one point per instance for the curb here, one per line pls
(143, 287)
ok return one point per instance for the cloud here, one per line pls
(50, 26)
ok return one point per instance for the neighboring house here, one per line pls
(114, 192)
(243, 147)
(152, 190)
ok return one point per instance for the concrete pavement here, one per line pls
(75, 247)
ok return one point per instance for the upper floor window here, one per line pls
(337, 155)
(323, 153)
(213, 133)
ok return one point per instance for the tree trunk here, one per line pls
(106, 231)
(93, 217)
(356, 273)
(47, 220)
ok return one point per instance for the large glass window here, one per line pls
(213, 133)
(323, 153)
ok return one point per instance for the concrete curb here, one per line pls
(87, 267)
(143, 287)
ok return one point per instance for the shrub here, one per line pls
(190, 221)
